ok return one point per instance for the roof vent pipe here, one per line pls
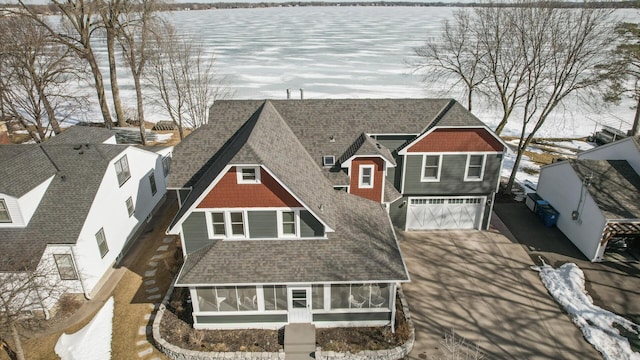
(288, 94)
(301, 94)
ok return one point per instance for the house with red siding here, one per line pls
(288, 207)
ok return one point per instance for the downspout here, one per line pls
(84, 290)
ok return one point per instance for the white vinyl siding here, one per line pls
(431, 166)
(122, 170)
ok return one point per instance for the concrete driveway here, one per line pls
(479, 283)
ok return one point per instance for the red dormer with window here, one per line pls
(367, 177)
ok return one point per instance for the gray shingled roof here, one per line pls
(364, 145)
(614, 186)
(267, 140)
(24, 167)
(314, 123)
(82, 135)
(66, 203)
(364, 249)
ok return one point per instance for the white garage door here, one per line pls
(445, 213)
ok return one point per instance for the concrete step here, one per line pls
(298, 356)
(294, 348)
(299, 341)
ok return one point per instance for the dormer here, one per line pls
(366, 162)
(18, 211)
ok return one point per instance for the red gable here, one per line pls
(229, 194)
(457, 140)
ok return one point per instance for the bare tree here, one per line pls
(623, 71)
(34, 70)
(22, 293)
(134, 28)
(110, 11)
(531, 56)
(79, 22)
(456, 56)
(504, 66)
(562, 49)
(184, 78)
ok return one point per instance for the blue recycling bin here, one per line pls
(547, 214)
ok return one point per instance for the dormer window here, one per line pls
(328, 160)
(366, 176)
(4, 212)
(248, 175)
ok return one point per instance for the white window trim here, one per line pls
(296, 219)
(131, 210)
(466, 169)
(424, 162)
(209, 221)
(119, 162)
(240, 178)
(229, 227)
(328, 163)
(361, 184)
(5, 209)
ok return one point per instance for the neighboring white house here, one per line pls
(597, 195)
(74, 203)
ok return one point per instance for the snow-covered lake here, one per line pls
(338, 52)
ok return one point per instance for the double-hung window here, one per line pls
(366, 176)
(122, 170)
(288, 223)
(431, 165)
(236, 220)
(102, 243)
(66, 268)
(227, 224)
(130, 207)
(4, 212)
(475, 168)
(152, 183)
(217, 224)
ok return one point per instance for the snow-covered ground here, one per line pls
(92, 341)
(600, 327)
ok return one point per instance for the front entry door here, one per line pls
(300, 304)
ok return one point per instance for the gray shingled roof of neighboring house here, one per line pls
(613, 184)
(324, 127)
(62, 212)
(265, 139)
(365, 249)
(391, 194)
(24, 167)
(82, 135)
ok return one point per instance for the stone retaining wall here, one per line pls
(177, 353)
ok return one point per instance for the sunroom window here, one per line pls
(228, 298)
(356, 296)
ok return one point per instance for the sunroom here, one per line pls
(273, 306)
